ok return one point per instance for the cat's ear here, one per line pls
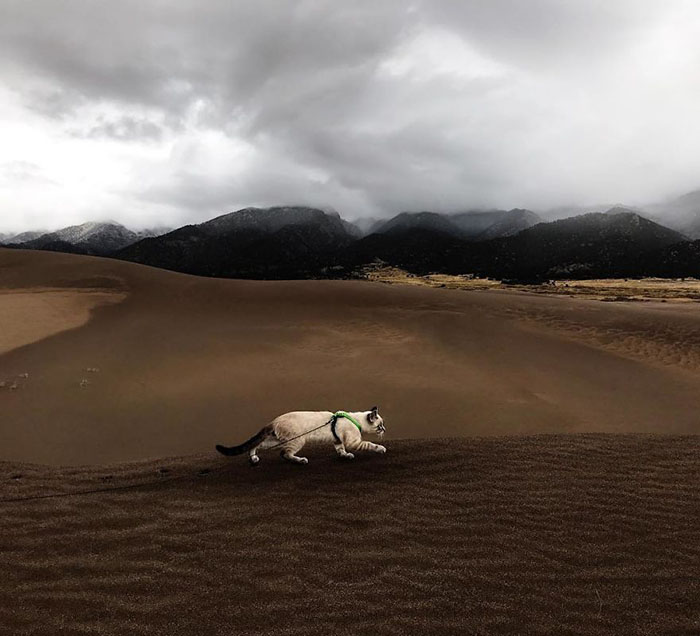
(373, 414)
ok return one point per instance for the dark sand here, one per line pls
(552, 534)
(584, 534)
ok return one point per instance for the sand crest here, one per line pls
(28, 316)
(187, 362)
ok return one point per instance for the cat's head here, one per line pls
(375, 421)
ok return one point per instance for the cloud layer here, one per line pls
(152, 112)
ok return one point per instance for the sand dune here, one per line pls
(185, 362)
(585, 534)
(30, 316)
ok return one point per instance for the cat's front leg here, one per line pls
(368, 446)
(340, 449)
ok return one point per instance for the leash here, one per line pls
(166, 480)
(291, 439)
(333, 421)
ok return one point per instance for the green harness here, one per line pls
(339, 415)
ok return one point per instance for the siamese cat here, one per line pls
(292, 431)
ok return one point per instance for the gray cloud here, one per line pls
(372, 107)
(123, 128)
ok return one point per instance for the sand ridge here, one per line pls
(34, 314)
(187, 362)
(649, 333)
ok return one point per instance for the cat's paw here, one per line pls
(303, 460)
(348, 456)
(380, 449)
(254, 460)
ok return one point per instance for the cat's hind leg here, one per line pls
(253, 455)
(269, 441)
(290, 450)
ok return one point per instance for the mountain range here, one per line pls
(95, 238)
(302, 242)
(279, 242)
(472, 225)
(681, 213)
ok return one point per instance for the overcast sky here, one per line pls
(154, 112)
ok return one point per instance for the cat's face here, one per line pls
(375, 421)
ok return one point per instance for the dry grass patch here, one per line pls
(612, 289)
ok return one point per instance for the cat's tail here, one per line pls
(254, 441)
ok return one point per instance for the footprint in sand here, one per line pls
(85, 382)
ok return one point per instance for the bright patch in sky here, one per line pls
(439, 53)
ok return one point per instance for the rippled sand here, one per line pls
(575, 534)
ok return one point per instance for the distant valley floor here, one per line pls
(677, 290)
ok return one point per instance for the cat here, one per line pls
(292, 430)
